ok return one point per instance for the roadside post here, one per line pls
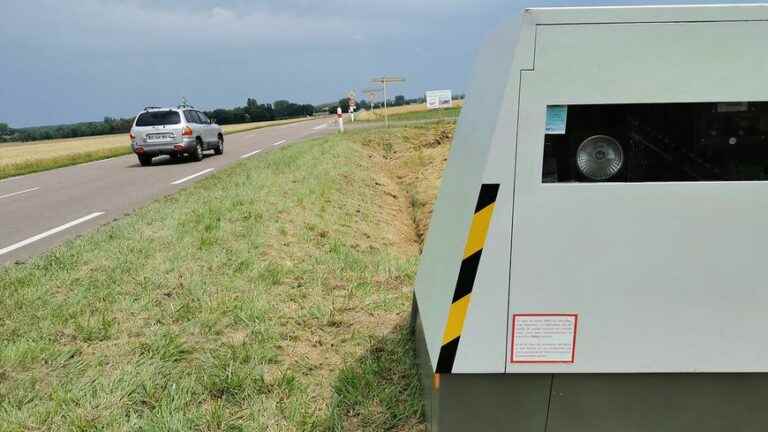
(371, 94)
(384, 81)
(594, 262)
(352, 105)
(340, 119)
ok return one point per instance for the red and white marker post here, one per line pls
(352, 107)
(352, 98)
(340, 119)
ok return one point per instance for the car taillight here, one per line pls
(187, 131)
(130, 134)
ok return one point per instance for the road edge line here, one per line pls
(19, 192)
(180, 181)
(250, 154)
(48, 233)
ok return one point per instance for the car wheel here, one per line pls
(220, 148)
(145, 160)
(198, 153)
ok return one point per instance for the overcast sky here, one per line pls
(65, 61)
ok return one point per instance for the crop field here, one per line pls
(228, 307)
(426, 115)
(28, 157)
(413, 111)
(242, 127)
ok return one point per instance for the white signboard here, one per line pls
(439, 99)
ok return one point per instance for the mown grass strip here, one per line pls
(270, 296)
(414, 117)
(33, 166)
(237, 128)
(435, 114)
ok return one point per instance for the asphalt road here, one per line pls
(39, 211)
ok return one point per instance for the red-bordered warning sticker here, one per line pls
(544, 338)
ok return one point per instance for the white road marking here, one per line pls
(49, 233)
(19, 192)
(180, 181)
(250, 154)
(278, 143)
(322, 126)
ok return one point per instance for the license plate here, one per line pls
(159, 137)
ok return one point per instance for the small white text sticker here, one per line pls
(543, 338)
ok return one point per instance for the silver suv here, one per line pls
(174, 132)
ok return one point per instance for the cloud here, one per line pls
(92, 25)
(72, 60)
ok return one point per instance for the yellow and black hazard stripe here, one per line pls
(478, 231)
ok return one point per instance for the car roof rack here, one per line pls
(184, 104)
(147, 108)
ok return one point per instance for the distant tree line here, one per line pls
(256, 112)
(251, 112)
(108, 126)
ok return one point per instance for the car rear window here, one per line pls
(158, 118)
(191, 116)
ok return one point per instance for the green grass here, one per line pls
(436, 114)
(271, 296)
